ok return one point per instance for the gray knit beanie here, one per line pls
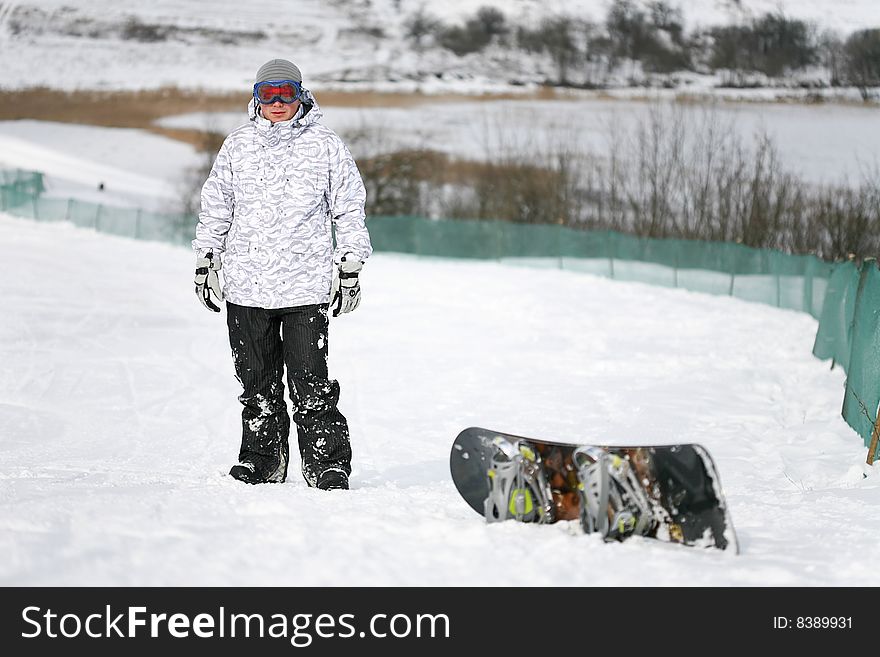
(278, 69)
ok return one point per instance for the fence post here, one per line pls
(731, 252)
(610, 255)
(809, 272)
(778, 288)
(872, 448)
(675, 261)
(418, 222)
(559, 237)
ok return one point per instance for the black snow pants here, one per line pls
(263, 343)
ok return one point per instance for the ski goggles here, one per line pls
(287, 91)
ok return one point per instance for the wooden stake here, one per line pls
(875, 434)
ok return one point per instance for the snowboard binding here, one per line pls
(613, 503)
(518, 488)
(666, 493)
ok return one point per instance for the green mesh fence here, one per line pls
(52, 209)
(771, 277)
(786, 281)
(834, 337)
(20, 191)
(844, 297)
(862, 394)
(22, 195)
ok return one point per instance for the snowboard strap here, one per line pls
(613, 503)
(629, 500)
(518, 488)
(592, 471)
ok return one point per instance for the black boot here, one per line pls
(257, 469)
(332, 480)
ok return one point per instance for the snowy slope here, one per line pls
(135, 167)
(119, 420)
(218, 44)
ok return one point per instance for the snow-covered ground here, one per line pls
(118, 410)
(119, 421)
(219, 44)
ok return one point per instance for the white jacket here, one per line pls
(268, 205)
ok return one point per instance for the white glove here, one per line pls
(207, 280)
(345, 292)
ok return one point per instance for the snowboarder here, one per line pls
(278, 186)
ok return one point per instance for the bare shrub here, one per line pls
(477, 32)
(558, 37)
(523, 193)
(396, 182)
(527, 178)
(136, 30)
(848, 221)
(675, 177)
(654, 36)
(420, 27)
(397, 179)
(862, 60)
(833, 57)
(673, 174)
(771, 44)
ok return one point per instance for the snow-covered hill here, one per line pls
(218, 44)
(119, 421)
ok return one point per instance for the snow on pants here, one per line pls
(264, 342)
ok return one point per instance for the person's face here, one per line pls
(279, 111)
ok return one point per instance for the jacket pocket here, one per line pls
(244, 180)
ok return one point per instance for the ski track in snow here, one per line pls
(119, 421)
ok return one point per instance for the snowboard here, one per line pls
(670, 493)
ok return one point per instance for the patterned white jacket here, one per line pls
(268, 206)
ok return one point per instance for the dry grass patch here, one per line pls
(334, 98)
(116, 109)
(141, 109)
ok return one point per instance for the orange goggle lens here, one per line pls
(269, 92)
